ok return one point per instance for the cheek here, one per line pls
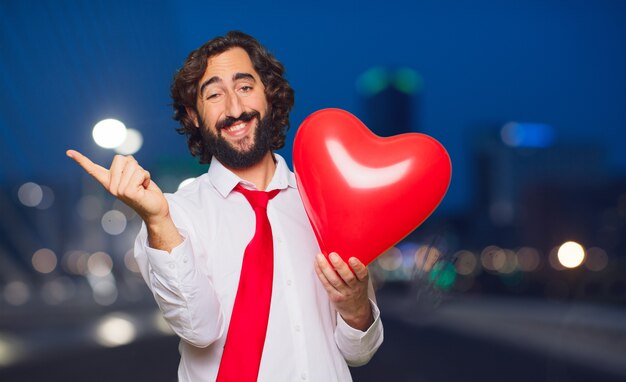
(211, 118)
(260, 104)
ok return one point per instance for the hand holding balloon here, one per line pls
(364, 193)
(347, 288)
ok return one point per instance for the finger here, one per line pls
(151, 185)
(329, 272)
(100, 173)
(342, 268)
(132, 177)
(360, 270)
(334, 295)
(146, 179)
(117, 168)
(143, 179)
(320, 275)
(135, 185)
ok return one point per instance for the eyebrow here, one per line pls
(215, 79)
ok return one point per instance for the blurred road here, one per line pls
(487, 339)
(454, 339)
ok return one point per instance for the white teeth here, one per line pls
(237, 127)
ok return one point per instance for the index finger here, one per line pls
(342, 268)
(360, 270)
(100, 173)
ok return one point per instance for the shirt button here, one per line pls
(289, 282)
(172, 266)
(303, 375)
(185, 259)
(297, 328)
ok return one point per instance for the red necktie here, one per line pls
(248, 323)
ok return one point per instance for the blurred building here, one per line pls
(534, 193)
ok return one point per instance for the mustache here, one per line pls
(244, 117)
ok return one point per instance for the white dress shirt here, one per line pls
(195, 285)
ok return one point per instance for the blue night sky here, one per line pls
(67, 64)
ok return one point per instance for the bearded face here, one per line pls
(232, 110)
(241, 153)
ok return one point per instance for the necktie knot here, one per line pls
(257, 199)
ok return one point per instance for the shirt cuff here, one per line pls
(356, 334)
(177, 263)
(356, 346)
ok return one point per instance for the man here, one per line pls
(233, 103)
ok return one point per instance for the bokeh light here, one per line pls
(510, 262)
(113, 222)
(104, 290)
(47, 198)
(466, 263)
(373, 81)
(597, 259)
(75, 262)
(10, 350)
(16, 293)
(100, 264)
(30, 194)
(442, 275)
(109, 133)
(131, 144)
(426, 257)
(130, 262)
(571, 254)
(522, 134)
(115, 330)
(493, 258)
(391, 259)
(528, 259)
(44, 260)
(101, 279)
(408, 81)
(553, 259)
(81, 263)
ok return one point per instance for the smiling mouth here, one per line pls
(239, 129)
(236, 127)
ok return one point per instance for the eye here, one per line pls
(213, 96)
(246, 88)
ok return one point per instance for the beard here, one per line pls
(244, 153)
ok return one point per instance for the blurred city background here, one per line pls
(520, 275)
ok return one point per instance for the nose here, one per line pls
(234, 107)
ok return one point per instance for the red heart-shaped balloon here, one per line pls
(363, 193)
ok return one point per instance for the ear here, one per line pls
(193, 114)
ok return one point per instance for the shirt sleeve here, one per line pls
(356, 346)
(185, 296)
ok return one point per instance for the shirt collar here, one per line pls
(225, 180)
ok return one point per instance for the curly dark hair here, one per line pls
(184, 89)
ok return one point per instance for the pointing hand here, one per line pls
(130, 183)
